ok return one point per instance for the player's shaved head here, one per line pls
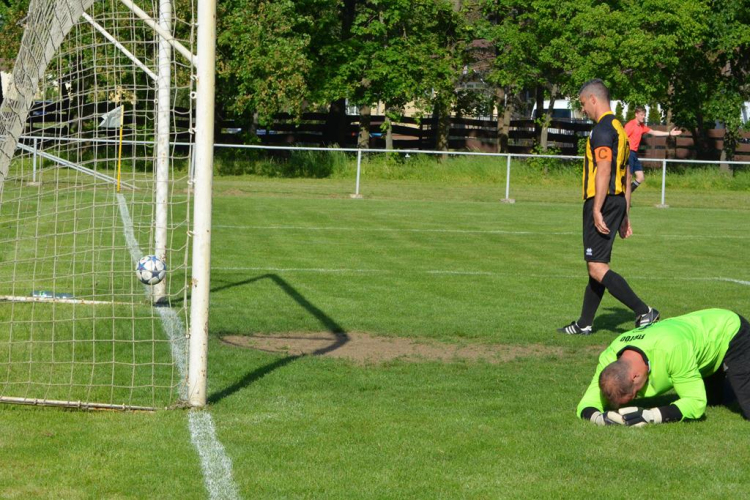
(595, 87)
(616, 382)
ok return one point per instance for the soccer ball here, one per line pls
(151, 270)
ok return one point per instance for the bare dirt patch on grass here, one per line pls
(364, 348)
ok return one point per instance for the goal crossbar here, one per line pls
(166, 36)
(106, 34)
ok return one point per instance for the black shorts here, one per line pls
(634, 162)
(597, 247)
(737, 365)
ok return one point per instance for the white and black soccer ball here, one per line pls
(151, 270)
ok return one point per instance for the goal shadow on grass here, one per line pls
(340, 335)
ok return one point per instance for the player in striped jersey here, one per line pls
(606, 195)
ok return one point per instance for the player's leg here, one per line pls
(592, 297)
(594, 290)
(636, 169)
(737, 364)
(613, 212)
(718, 390)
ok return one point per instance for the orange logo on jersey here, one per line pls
(603, 154)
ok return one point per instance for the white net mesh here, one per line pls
(79, 207)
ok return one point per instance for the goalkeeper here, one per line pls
(693, 354)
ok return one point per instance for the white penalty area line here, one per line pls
(469, 231)
(215, 463)
(446, 272)
(391, 230)
(739, 282)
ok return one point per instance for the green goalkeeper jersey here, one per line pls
(680, 352)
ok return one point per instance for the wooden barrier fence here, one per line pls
(465, 133)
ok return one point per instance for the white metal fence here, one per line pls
(508, 157)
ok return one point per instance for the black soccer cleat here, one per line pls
(574, 329)
(652, 316)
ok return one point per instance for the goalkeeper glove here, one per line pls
(607, 418)
(639, 417)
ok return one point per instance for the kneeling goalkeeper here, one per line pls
(694, 354)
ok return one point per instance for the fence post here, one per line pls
(356, 194)
(34, 165)
(507, 198)
(33, 173)
(663, 184)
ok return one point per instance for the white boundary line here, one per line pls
(465, 231)
(447, 272)
(393, 230)
(739, 282)
(216, 465)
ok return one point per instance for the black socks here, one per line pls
(619, 288)
(592, 297)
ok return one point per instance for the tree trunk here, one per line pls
(731, 139)
(336, 125)
(363, 141)
(502, 132)
(388, 133)
(538, 115)
(443, 114)
(547, 118)
(670, 142)
(253, 129)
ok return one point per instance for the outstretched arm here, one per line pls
(659, 133)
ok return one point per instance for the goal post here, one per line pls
(204, 145)
(108, 115)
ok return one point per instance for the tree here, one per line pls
(539, 46)
(712, 83)
(12, 13)
(264, 64)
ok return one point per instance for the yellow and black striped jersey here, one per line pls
(607, 142)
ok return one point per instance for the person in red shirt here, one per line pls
(636, 129)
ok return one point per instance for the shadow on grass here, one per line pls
(329, 323)
(613, 317)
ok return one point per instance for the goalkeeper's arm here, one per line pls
(639, 417)
(633, 416)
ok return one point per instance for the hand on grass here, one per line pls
(607, 418)
(639, 417)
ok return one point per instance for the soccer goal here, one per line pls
(106, 137)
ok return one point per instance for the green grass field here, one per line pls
(441, 261)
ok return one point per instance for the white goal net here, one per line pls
(95, 172)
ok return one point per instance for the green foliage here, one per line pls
(11, 30)
(304, 163)
(630, 115)
(619, 112)
(654, 117)
(544, 164)
(265, 62)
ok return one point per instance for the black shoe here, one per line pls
(574, 329)
(652, 316)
